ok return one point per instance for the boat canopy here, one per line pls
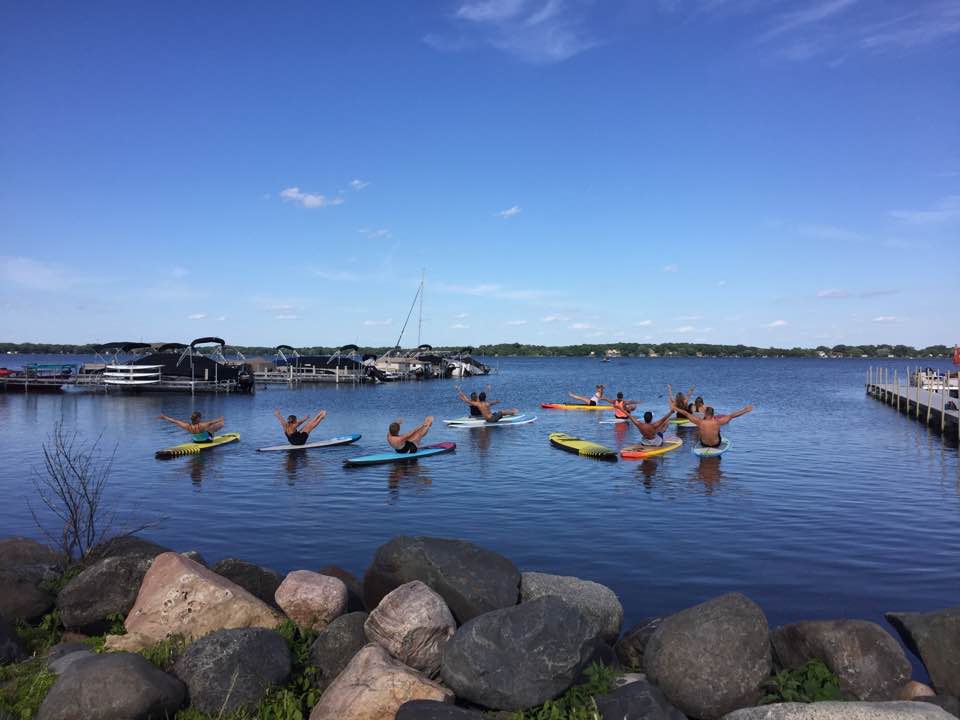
(207, 340)
(424, 347)
(466, 350)
(348, 347)
(171, 346)
(286, 347)
(111, 346)
(131, 346)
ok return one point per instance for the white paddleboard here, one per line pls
(471, 422)
(345, 440)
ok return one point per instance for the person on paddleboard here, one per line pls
(291, 426)
(202, 431)
(480, 403)
(709, 424)
(651, 433)
(593, 399)
(408, 442)
(474, 410)
(681, 400)
(621, 408)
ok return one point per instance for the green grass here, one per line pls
(576, 703)
(43, 636)
(811, 683)
(165, 653)
(24, 686)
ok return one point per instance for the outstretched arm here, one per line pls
(665, 419)
(209, 423)
(742, 411)
(689, 416)
(179, 423)
(276, 411)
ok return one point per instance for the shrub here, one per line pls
(576, 703)
(811, 683)
(23, 688)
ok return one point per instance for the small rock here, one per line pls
(24, 566)
(11, 646)
(630, 647)
(113, 686)
(310, 599)
(181, 597)
(65, 648)
(107, 587)
(520, 656)
(913, 690)
(934, 638)
(597, 602)
(840, 711)
(354, 586)
(628, 678)
(869, 662)
(413, 623)
(61, 664)
(230, 670)
(195, 556)
(712, 658)
(435, 710)
(259, 581)
(470, 579)
(638, 700)
(373, 686)
(125, 545)
(949, 703)
(21, 597)
(336, 645)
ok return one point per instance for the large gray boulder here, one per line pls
(354, 586)
(949, 703)
(336, 645)
(230, 670)
(520, 656)
(638, 700)
(712, 658)
(597, 602)
(436, 710)
(934, 637)
(108, 586)
(259, 581)
(113, 686)
(471, 579)
(11, 647)
(413, 623)
(630, 647)
(905, 710)
(868, 661)
(24, 566)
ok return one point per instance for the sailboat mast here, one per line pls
(420, 319)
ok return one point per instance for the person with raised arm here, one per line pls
(291, 426)
(201, 431)
(483, 406)
(709, 425)
(408, 442)
(593, 399)
(651, 433)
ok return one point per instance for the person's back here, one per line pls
(620, 407)
(709, 429)
(474, 410)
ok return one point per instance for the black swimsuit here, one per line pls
(297, 437)
(408, 447)
(475, 412)
(719, 442)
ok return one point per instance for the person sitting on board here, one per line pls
(408, 442)
(681, 400)
(698, 407)
(474, 410)
(291, 426)
(484, 405)
(709, 425)
(202, 432)
(621, 408)
(651, 433)
(592, 400)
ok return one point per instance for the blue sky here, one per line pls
(770, 172)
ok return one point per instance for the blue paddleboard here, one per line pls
(392, 457)
(702, 451)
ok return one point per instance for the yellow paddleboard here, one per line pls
(582, 447)
(638, 452)
(192, 448)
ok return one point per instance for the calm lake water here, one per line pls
(828, 505)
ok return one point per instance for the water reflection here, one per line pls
(648, 468)
(709, 473)
(407, 475)
(479, 438)
(296, 461)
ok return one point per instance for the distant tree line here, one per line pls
(521, 350)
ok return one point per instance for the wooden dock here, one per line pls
(932, 398)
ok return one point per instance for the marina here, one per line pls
(930, 396)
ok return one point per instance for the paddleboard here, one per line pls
(615, 421)
(575, 406)
(392, 457)
(192, 448)
(639, 452)
(579, 446)
(702, 451)
(345, 440)
(472, 422)
(682, 422)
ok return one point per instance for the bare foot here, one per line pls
(429, 421)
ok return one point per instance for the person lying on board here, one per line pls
(709, 425)
(621, 408)
(681, 400)
(408, 442)
(592, 400)
(483, 405)
(202, 431)
(291, 426)
(651, 433)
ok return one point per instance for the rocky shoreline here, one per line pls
(437, 629)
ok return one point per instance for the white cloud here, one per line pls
(493, 290)
(372, 323)
(581, 326)
(287, 317)
(777, 323)
(375, 233)
(721, 283)
(461, 316)
(832, 293)
(554, 318)
(643, 323)
(595, 333)
(220, 318)
(671, 268)
(358, 184)
(490, 10)
(509, 212)
(197, 316)
(32, 274)
(813, 13)
(516, 322)
(179, 272)
(831, 233)
(309, 200)
(885, 319)
(337, 275)
(690, 317)
(946, 210)
(459, 326)
(685, 329)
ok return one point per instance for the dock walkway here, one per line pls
(933, 400)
